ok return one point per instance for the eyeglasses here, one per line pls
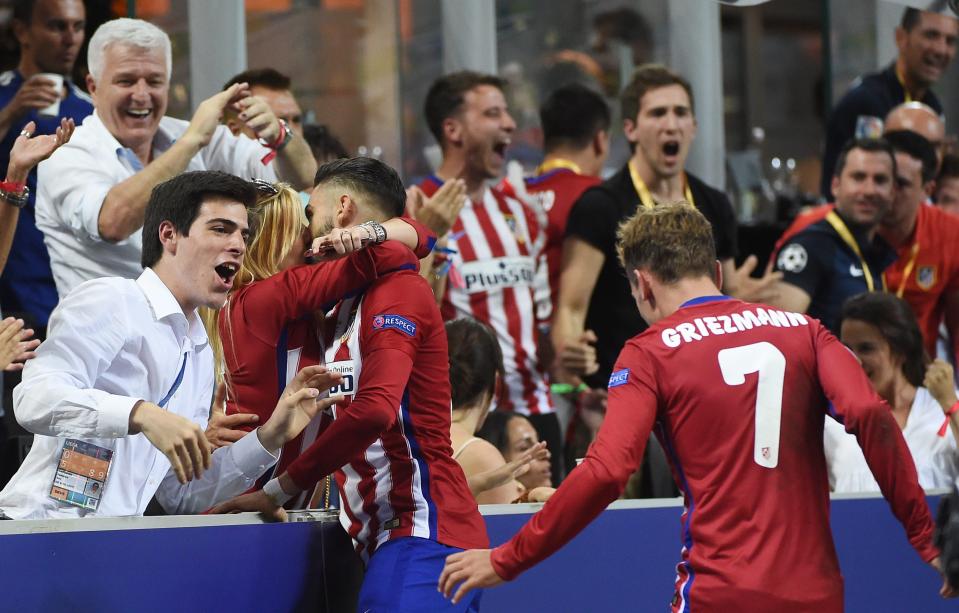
(265, 188)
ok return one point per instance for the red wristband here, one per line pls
(12, 187)
(945, 424)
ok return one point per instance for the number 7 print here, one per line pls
(765, 359)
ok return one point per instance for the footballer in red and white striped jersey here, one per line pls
(389, 441)
(498, 244)
(743, 431)
(268, 332)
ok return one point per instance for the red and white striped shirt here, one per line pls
(389, 442)
(499, 243)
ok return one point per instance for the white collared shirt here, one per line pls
(110, 343)
(936, 457)
(74, 181)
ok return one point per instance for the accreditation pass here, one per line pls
(81, 474)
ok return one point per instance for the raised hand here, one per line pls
(223, 429)
(439, 212)
(744, 286)
(298, 405)
(30, 149)
(940, 383)
(208, 114)
(36, 93)
(179, 439)
(15, 344)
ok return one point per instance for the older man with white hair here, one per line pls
(92, 194)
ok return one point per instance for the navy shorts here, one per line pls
(402, 576)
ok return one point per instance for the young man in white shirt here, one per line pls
(124, 381)
(91, 196)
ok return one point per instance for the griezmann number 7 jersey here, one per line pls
(737, 394)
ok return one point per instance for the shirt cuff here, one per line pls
(113, 414)
(250, 457)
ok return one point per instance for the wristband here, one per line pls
(567, 388)
(945, 424)
(275, 493)
(379, 232)
(17, 194)
(282, 140)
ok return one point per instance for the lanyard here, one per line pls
(645, 197)
(840, 227)
(902, 82)
(175, 386)
(913, 254)
(558, 163)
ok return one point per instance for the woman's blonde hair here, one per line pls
(278, 220)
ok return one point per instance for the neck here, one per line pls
(465, 419)
(671, 297)
(454, 166)
(899, 394)
(899, 233)
(661, 187)
(586, 162)
(915, 89)
(169, 279)
(27, 68)
(868, 230)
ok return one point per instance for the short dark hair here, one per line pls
(178, 201)
(23, 10)
(446, 94)
(571, 116)
(910, 17)
(269, 78)
(475, 360)
(368, 177)
(646, 78)
(323, 143)
(896, 322)
(873, 145)
(949, 168)
(916, 146)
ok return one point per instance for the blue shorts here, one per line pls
(402, 576)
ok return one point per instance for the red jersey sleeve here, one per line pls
(867, 416)
(425, 238)
(599, 480)
(300, 290)
(388, 350)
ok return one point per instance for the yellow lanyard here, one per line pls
(902, 82)
(913, 254)
(558, 163)
(837, 223)
(645, 197)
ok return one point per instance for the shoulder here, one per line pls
(80, 95)
(97, 301)
(175, 127)
(479, 455)
(811, 243)
(707, 196)
(404, 291)
(9, 84)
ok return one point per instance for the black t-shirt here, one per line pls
(819, 262)
(874, 95)
(595, 218)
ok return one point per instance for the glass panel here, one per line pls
(543, 45)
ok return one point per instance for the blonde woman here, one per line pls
(267, 331)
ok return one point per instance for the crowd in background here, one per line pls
(529, 262)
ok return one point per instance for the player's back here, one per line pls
(741, 418)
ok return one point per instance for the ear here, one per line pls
(453, 131)
(346, 211)
(834, 186)
(901, 37)
(929, 188)
(91, 84)
(629, 126)
(20, 32)
(719, 274)
(644, 286)
(169, 237)
(601, 144)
